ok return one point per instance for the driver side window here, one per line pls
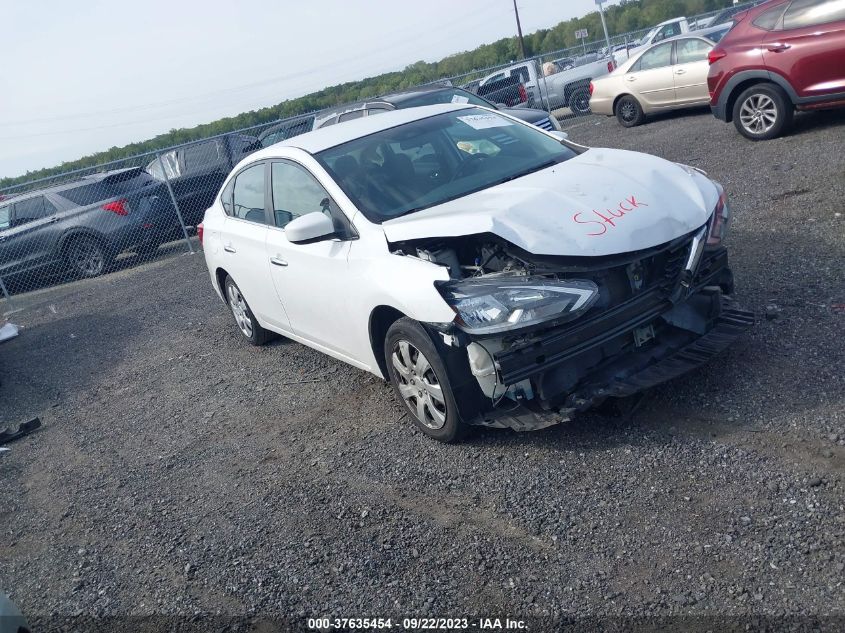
(296, 192)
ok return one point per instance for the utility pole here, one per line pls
(604, 26)
(519, 31)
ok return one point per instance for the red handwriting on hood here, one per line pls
(602, 221)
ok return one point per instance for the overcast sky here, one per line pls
(82, 76)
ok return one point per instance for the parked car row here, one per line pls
(774, 58)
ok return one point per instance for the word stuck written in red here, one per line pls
(604, 220)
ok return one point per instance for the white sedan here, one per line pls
(495, 273)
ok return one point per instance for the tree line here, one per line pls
(628, 15)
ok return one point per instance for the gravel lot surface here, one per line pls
(181, 471)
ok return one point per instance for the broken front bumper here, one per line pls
(651, 338)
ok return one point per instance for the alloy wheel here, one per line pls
(628, 111)
(758, 113)
(419, 385)
(239, 309)
(87, 257)
(581, 103)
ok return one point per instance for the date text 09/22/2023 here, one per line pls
(418, 624)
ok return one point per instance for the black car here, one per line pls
(285, 130)
(197, 171)
(429, 95)
(83, 225)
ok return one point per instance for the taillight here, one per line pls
(200, 230)
(523, 95)
(120, 207)
(591, 88)
(611, 66)
(715, 55)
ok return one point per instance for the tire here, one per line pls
(579, 101)
(247, 324)
(629, 112)
(762, 112)
(86, 257)
(421, 382)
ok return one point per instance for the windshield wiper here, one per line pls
(548, 163)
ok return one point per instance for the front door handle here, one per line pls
(778, 48)
(680, 71)
(278, 261)
(229, 248)
(631, 78)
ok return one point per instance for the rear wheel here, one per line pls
(579, 101)
(247, 323)
(86, 256)
(419, 378)
(629, 112)
(762, 112)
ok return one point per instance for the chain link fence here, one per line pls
(84, 223)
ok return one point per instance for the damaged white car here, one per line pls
(495, 273)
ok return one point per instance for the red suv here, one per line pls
(779, 56)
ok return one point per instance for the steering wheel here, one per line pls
(473, 161)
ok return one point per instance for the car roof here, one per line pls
(698, 33)
(333, 135)
(70, 184)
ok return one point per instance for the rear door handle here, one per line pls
(778, 48)
(631, 78)
(278, 261)
(680, 71)
(229, 248)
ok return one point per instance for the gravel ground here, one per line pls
(181, 471)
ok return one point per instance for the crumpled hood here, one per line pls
(601, 202)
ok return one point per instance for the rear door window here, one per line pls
(348, 116)
(5, 217)
(768, 20)
(248, 195)
(803, 13)
(32, 209)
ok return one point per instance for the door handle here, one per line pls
(229, 248)
(631, 78)
(278, 261)
(778, 48)
(680, 71)
(2, 238)
(52, 220)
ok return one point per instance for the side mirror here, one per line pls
(309, 227)
(559, 135)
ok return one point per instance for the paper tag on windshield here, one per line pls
(484, 121)
(459, 99)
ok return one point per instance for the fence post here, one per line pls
(175, 204)
(7, 296)
(546, 87)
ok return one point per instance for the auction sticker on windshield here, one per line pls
(484, 121)
(459, 99)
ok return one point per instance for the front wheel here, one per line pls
(419, 378)
(762, 112)
(579, 102)
(247, 323)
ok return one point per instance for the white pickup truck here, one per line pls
(664, 30)
(567, 88)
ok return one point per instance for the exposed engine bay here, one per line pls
(592, 328)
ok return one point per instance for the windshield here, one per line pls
(451, 95)
(430, 161)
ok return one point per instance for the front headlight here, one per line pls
(719, 222)
(489, 306)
